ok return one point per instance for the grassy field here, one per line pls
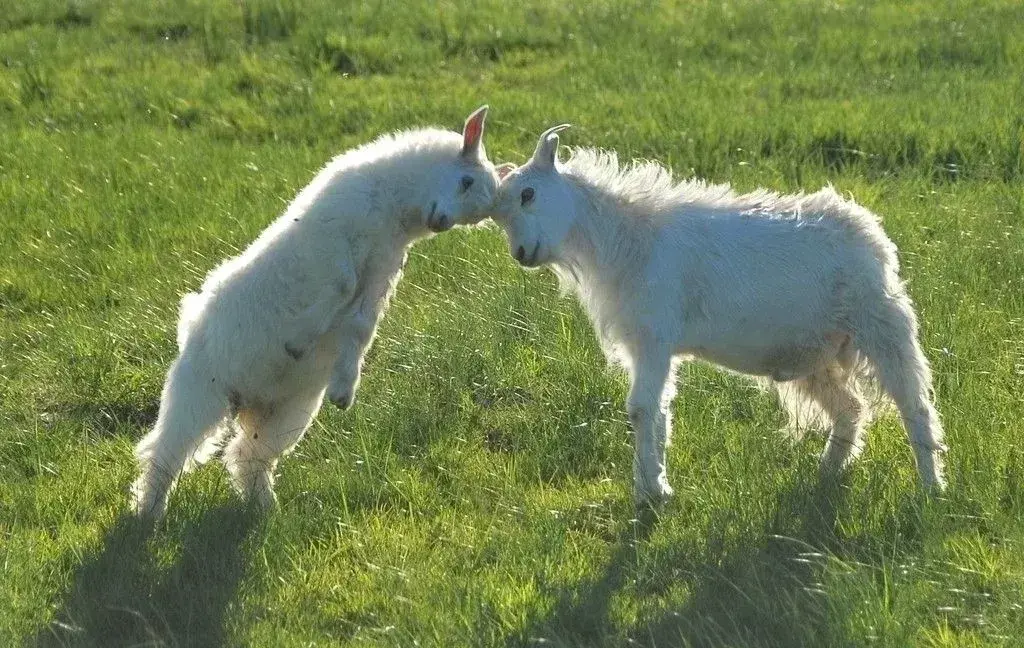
(478, 494)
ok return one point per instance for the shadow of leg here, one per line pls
(106, 592)
(194, 595)
(741, 586)
(581, 617)
(759, 589)
(121, 596)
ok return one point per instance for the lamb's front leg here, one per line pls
(356, 337)
(648, 408)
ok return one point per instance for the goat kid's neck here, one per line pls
(601, 248)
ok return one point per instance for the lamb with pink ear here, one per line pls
(799, 291)
(289, 320)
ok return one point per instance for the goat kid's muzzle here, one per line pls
(437, 221)
(527, 260)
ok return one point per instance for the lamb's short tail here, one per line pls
(188, 314)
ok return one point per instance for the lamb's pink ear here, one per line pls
(505, 169)
(473, 132)
(547, 147)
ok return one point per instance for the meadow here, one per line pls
(479, 492)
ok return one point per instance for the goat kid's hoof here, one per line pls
(264, 500)
(148, 512)
(832, 472)
(653, 496)
(147, 503)
(935, 487)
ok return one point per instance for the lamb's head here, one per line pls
(465, 185)
(534, 204)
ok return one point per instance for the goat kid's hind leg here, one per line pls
(834, 391)
(892, 347)
(261, 439)
(190, 413)
(649, 415)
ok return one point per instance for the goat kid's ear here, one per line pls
(505, 169)
(473, 132)
(547, 147)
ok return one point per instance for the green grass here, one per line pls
(479, 491)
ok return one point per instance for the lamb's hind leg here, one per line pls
(889, 339)
(189, 415)
(648, 409)
(838, 395)
(262, 438)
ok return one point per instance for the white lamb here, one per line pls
(800, 290)
(293, 315)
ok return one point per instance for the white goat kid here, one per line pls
(802, 290)
(293, 315)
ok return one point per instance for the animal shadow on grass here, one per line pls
(121, 596)
(581, 616)
(744, 591)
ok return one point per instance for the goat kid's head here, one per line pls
(533, 204)
(467, 186)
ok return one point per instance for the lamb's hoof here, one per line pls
(931, 466)
(935, 487)
(833, 472)
(148, 511)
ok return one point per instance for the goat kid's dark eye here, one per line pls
(527, 195)
(467, 182)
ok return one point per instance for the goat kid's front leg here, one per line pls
(649, 416)
(355, 340)
(311, 324)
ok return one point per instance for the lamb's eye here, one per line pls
(527, 195)
(467, 182)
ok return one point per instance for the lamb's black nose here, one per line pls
(520, 253)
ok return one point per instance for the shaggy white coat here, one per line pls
(799, 290)
(293, 315)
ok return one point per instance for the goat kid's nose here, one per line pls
(520, 254)
(438, 222)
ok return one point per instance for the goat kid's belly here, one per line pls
(781, 359)
(262, 367)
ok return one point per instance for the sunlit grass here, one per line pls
(478, 493)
